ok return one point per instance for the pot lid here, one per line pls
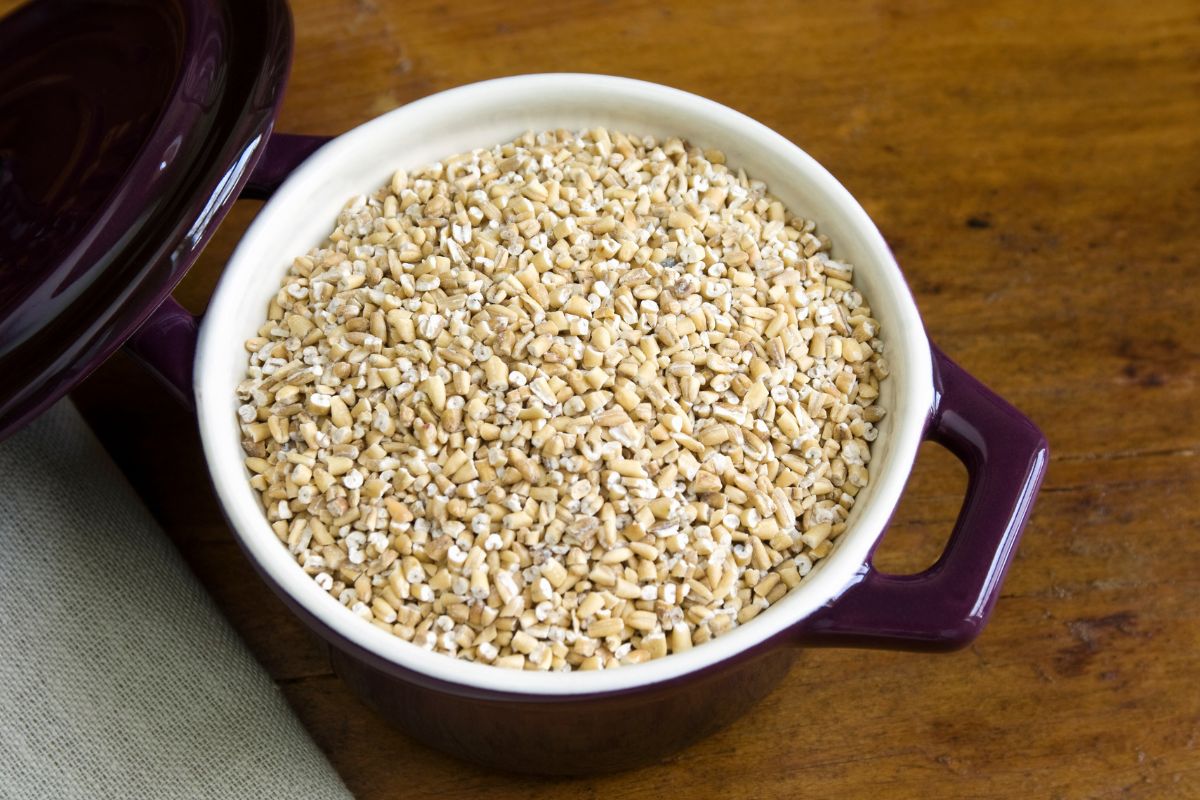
(127, 129)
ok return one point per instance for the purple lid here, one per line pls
(127, 129)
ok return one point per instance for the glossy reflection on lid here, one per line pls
(126, 129)
(75, 111)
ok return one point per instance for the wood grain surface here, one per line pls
(1036, 168)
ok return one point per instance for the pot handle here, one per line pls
(166, 341)
(946, 606)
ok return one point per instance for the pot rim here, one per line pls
(561, 95)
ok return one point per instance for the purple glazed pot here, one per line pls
(596, 721)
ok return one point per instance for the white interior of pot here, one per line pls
(302, 213)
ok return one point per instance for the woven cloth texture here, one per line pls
(118, 676)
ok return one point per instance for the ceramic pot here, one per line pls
(597, 721)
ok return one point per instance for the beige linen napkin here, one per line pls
(118, 676)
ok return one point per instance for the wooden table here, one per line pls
(1036, 168)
